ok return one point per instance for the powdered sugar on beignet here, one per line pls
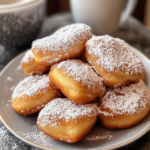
(67, 121)
(66, 43)
(81, 73)
(28, 57)
(114, 54)
(33, 93)
(126, 100)
(77, 81)
(64, 109)
(31, 85)
(63, 39)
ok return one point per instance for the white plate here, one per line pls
(24, 127)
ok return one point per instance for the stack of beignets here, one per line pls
(111, 71)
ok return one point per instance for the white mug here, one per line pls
(102, 15)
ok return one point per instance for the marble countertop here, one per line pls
(133, 33)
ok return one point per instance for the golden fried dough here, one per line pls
(31, 94)
(77, 81)
(124, 107)
(66, 43)
(29, 65)
(67, 121)
(114, 60)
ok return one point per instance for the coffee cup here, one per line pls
(104, 16)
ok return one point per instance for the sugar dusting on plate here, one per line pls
(9, 79)
(108, 135)
(37, 136)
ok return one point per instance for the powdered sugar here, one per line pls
(126, 100)
(9, 79)
(64, 109)
(81, 73)
(31, 85)
(63, 39)
(55, 60)
(106, 135)
(28, 57)
(114, 55)
(37, 136)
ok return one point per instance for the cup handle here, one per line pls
(131, 4)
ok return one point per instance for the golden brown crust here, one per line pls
(26, 100)
(122, 121)
(73, 90)
(124, 107)
(33, 68)
(72, 131)
(113, 79)
(66, 43)
(30, 105)
(53, 57)
(27, 112)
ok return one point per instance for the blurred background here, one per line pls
(141, 12)
(21, 20)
